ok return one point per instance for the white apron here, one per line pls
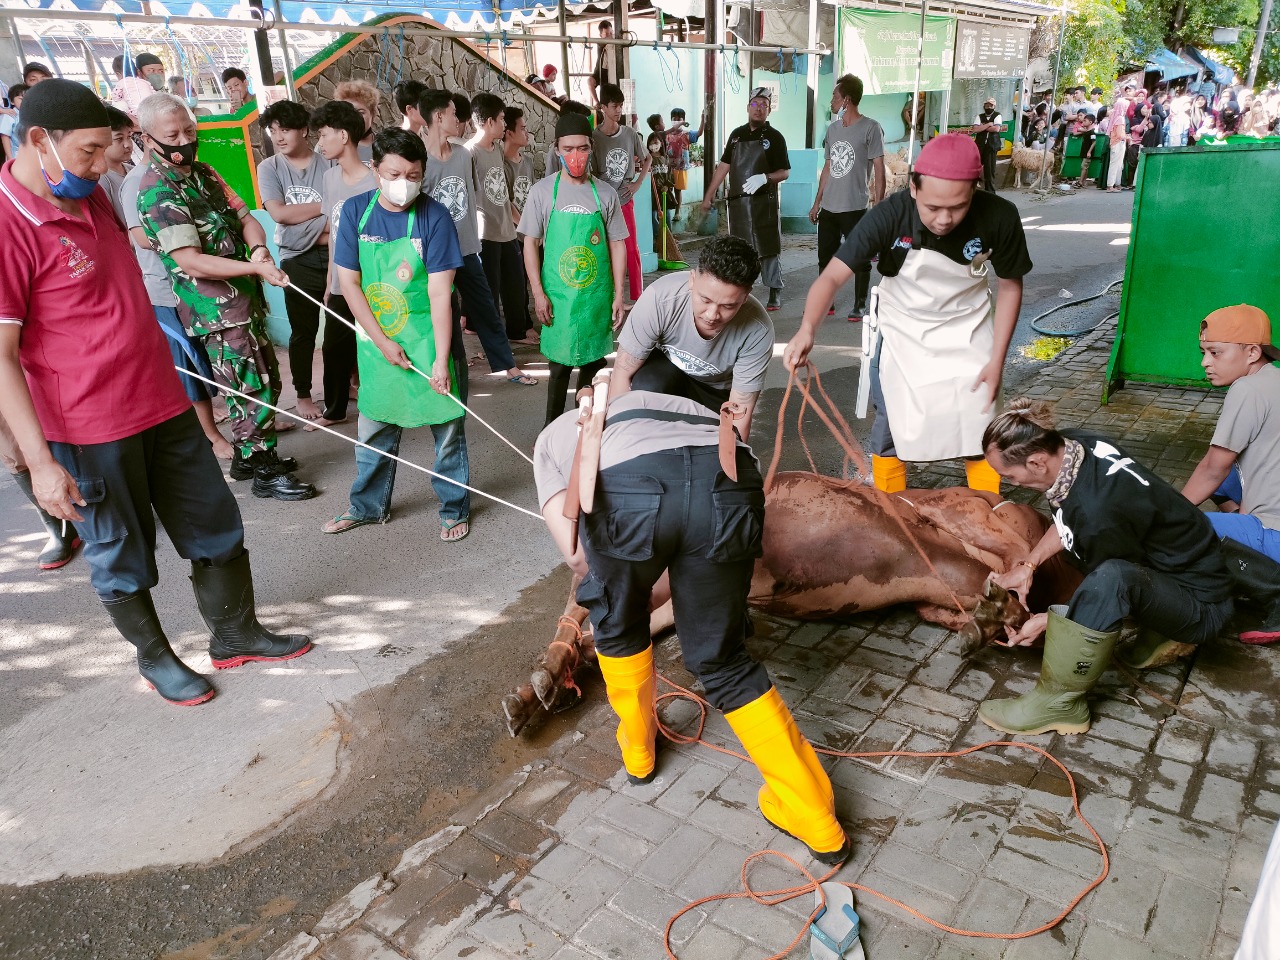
(936, 321)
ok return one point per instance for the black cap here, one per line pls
(35, 67)
(62, 105)
(572, 125)
(147, 60)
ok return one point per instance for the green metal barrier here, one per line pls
(1204, 236)
(1073, 152)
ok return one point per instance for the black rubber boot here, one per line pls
(244, 468)
(1255, 580)
(63, 540)
(135, 618)
(225, 598)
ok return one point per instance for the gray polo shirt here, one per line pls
(494, 197)
(572, 198)
(662, 319)
(335, 192)
(154, 275)
(553, 454)
(453, 183)
(616, 157)
(519, 180)
(849, 152)
(278, 179)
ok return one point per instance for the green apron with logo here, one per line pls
(394, 279)
(577, 275)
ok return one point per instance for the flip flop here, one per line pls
(834, 931)
(342, 517)
(523, 380)
(447, 525)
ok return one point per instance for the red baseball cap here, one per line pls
(950, 156)
(548, 70)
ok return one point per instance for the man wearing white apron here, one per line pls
(935, 342)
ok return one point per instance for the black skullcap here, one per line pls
(572, 125)
(36, 67)
(62, 105)
(147, 60)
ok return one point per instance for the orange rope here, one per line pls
(774, 897)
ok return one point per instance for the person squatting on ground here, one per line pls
(88, 388)
(701, 335)
(664, 500)
(623, 162)
(338, 126)
(1145, 551)
(934, 354)
(1241, 470)
(853, 152)
(452, 181)
(575, 261)
(755, 160)
(292, 183)
(216, 254)
(396, 252)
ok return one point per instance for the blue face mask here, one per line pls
(70, 187)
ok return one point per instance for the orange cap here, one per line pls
(1239, 324)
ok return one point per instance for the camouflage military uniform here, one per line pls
(228, 316)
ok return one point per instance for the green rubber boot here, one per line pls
(1150, 649)
(1075, 657)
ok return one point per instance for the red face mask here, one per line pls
(576, 164)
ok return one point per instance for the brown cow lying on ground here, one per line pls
(834, 548)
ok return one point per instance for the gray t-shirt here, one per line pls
(453, 183)
(111, 182)
(663, 319)
(278, 179)
(519, 180)
(553, 454)
(335, 192)
(1250, 428)
(616, 157)
(849, 152)
(572, 198)
(494, 198)
(154, 275)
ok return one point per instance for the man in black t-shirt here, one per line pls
(1146, 553)
(755, 160)
(935, 342)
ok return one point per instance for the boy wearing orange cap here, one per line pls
(935, 341)
(1241, 469)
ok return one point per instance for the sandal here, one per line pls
(448, 526)
(351, 523)
(524, 380)
(834, 930)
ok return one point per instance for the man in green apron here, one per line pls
(935, 339)
(396, 253)
(576, 261)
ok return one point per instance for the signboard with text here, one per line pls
(882, 48)
(987, 51)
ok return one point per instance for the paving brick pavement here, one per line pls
(565, 861)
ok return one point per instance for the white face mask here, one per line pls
(401, 192)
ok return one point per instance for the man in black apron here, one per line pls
(755, 160)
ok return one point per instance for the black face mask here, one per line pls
(180, 155)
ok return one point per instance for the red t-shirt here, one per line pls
(95, 358)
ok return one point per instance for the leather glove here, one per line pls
(754, 183)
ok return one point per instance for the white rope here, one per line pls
(337, 316)
(359, 443)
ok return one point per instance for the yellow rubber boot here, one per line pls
(796, 796)
(889, 474)
(981, 476)
(632, 684)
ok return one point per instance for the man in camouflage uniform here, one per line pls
(216, 255)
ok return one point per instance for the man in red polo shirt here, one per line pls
(89, 390)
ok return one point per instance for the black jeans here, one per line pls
(988, 167)
(504, 269)
(166, 471)
(307, 271)
(558, 384)
(339, 353)
(660, 375)
(482, 314)
(1120, 588)
(833, 228)
(677, 511)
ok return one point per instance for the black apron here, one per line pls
(753, 216)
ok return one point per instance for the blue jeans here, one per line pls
(376, 474)
(1243, 527)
